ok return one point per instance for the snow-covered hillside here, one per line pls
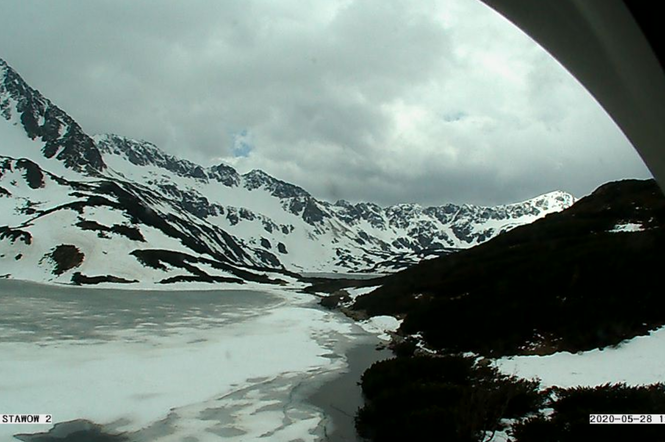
(84, 209)
(307, 234)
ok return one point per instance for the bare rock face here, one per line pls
(65, 257)
(63, 138)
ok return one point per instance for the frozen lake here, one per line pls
(170, 365)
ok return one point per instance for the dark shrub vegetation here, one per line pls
(565, 282)
(440, 398)
(569, 422)
(333, 300)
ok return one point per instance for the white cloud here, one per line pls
(385, 101)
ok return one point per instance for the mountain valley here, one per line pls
(90, 209)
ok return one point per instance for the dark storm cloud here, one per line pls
(363, 100)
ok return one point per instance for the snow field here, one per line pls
(627, 227)
(638, 361)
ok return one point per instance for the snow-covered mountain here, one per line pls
(107, 208)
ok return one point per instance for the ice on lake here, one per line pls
(169, 365)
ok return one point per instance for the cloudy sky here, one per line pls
(428, 101)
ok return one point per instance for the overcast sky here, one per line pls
(393, 101)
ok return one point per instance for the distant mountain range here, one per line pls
(584, 278)
(89, 209)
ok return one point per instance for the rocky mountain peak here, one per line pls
(255, 179)
(555, 198)
(144, 153)
(63, 138)
(225, 174)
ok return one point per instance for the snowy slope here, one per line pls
(634, 362)
(37, 129)
(312, 235)
(112, 230)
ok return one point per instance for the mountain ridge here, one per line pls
(63, 138)
(97, 187)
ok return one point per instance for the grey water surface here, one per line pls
(31, 312)
(341, 398)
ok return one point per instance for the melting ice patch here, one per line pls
(382, 326)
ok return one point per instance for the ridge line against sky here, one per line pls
(390, 102)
